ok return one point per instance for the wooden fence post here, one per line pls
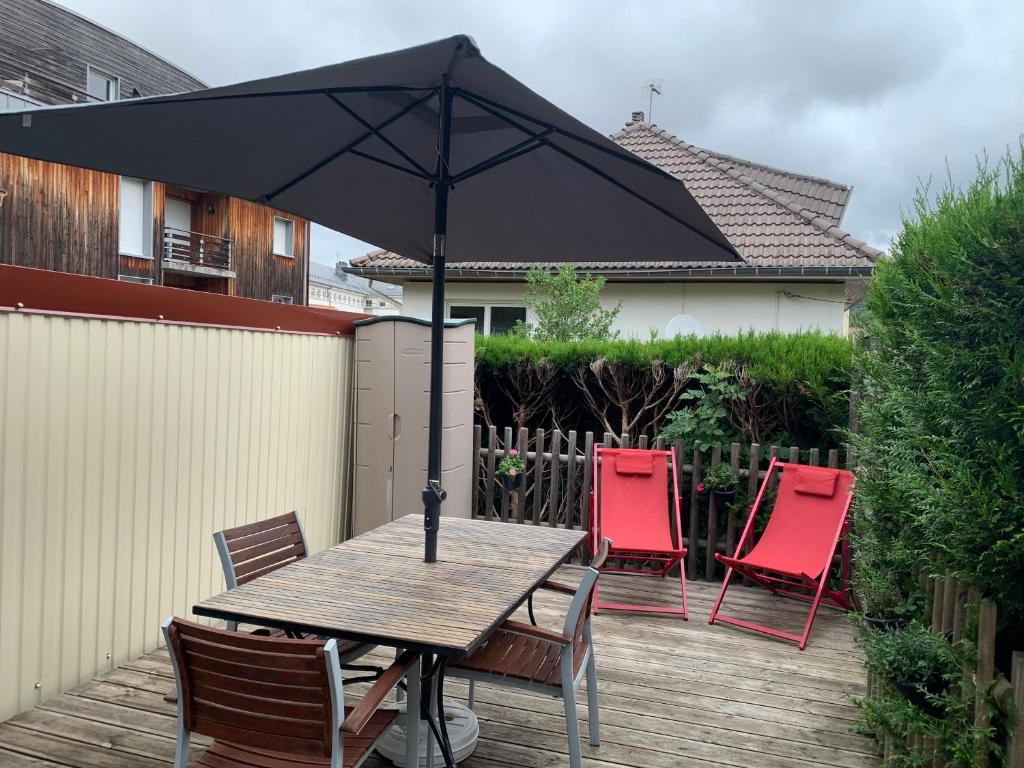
(556, 477)
(730, 521)
(538, 477)
(712, 535)
(506, 497)
(691, 567)
(477, 441)
(1015, 744)
(570, 481)
(985, 672)
(492, 439)
(588, 480)
(523, 446)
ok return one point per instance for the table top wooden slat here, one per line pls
(376, 588)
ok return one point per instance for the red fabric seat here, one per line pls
(634, 503)
(794, 554)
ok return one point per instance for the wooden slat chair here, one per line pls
(250, 551)
(271, 702)
(526, 656)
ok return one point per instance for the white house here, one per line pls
(334, 288)
(801, 268)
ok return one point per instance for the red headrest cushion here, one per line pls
(816, 482)
(634, 464)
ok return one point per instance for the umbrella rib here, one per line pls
(518, 150)
(389, 164)
(348, 147)
(623, 155)
(366, 124)
(598, 172)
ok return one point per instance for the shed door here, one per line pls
(375, 426)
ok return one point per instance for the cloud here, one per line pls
(876, 94)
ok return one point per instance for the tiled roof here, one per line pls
(775, 219)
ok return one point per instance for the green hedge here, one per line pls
(940, 488)
(802, 379)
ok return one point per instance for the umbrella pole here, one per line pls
(433, 493)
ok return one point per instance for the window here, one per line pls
(135, 218)
(279, 298)
(490, 320)
(135, 279)
(101, 86)
(284, 237)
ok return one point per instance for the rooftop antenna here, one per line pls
(650, 89)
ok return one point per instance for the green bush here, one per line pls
(796, 385)
(941, 486)
(940, 482)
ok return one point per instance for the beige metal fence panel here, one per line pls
(123, 446)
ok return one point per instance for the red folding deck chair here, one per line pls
(630, 507)
(794, 555)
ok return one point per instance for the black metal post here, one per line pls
(433, 493)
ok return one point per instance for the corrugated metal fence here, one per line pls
(123, 446)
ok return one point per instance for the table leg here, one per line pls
(412, 716)
(432, 709)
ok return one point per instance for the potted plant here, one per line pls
(916, 662)
(510, 470)
(722, 482)
(882, 603)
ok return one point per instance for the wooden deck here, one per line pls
(672, 694)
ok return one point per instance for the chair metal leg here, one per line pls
(399, 693)
(471, 702)
(572, 723)
(412, 717)
(592, 715)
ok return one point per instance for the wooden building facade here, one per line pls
(76, 220)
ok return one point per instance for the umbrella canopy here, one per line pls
(398, 150)
(354, 147)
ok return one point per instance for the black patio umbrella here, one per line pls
(431, 152)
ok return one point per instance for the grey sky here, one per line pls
(879, 95)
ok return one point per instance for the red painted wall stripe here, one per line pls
(40, 290)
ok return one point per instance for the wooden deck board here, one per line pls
(672, 694)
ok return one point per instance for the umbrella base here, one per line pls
(463, 732)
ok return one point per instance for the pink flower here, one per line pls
(700, 487)
(512, 472)
(513, 452)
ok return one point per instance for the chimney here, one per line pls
(638, 117)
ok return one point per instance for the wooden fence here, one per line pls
(556, 488)
(954, 608)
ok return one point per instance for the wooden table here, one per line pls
(376, 588)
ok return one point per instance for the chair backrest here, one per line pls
(582, 602)
(811, 504)
(252, 550)
(283, 695)
(634, 501)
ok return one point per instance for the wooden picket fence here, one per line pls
(556, 488)
(954, 607)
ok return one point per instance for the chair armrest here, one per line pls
(529, 630)
(363, 711)
(557, 586)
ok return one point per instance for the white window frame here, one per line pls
(147, 219)
(114, 82)
(289, 228)
(281, 298)
(135, 279)
(486, 306)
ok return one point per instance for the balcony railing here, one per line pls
(197, 249)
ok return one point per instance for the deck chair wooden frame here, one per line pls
(811, 544)
(274, 702)
(529, 657)
(641, 554)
